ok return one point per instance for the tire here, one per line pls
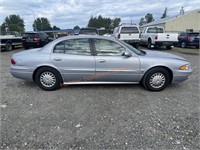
(156, 79)
(183, 45)
(149, 44)
(8, 46)
(168, 47)
(53, 79)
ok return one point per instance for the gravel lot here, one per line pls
(100, 116)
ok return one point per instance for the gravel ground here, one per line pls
(100, 116)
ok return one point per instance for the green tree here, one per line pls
(41, 24)
(76, 27)
(100, 21)
(13, 23)
(115, 22)
(55, 28)
(142, 21)
(164, 14)
(149, 18)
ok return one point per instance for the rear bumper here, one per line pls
(165, 43)
(21, 73)
(132, 41)
(32, 44)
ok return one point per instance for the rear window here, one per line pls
(194, 34)
(129, 30)
(155, 30)
(32, 35)
(88, 31)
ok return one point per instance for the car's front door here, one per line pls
(74, 59)
(111, 65)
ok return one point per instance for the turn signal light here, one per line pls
(184, 67)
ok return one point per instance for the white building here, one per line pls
(185, 21)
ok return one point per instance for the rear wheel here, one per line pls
(183, 45)
(48, 79)
(156, 79)
(168, 47)
(149, 44)
(8, 47)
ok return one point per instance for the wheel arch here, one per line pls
(35, 71)
(160, 66)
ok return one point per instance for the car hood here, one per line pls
(150, 53)
(25, 52)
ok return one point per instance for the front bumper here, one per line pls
(181, 75)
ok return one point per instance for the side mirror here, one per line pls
(127, 54)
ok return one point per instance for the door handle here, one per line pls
(57, 59)
(101, 60)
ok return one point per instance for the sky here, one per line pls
(66, 14)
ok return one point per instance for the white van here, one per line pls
(128, 33)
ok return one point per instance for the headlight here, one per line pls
(185, 67)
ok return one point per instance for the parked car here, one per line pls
(88, 31)
(10, 39)
(189, 39)
(34, 39)
(155, 36)
(100, 60)
(128, 33)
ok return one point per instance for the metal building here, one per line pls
(185, 21)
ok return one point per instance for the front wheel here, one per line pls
(156, 79)
(48, 79)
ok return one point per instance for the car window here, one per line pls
(73, 47)
(129, 30)
(194, 34)
(32, 35)
(88, 31)
(155, 30)
(108, 48)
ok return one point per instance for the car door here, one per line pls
(111, 66)
(74, 59)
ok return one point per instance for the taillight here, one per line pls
(12, 61)
(118, 36)
(190, 38)
(36, 39)
(156, 37)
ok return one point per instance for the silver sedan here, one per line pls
(98, 60)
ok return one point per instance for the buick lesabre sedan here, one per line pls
(98, 60)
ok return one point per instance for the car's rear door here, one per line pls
(111, 66)
(74, 59)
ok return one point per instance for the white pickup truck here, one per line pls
(155, 36)
(128, 33)
(10, 39)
